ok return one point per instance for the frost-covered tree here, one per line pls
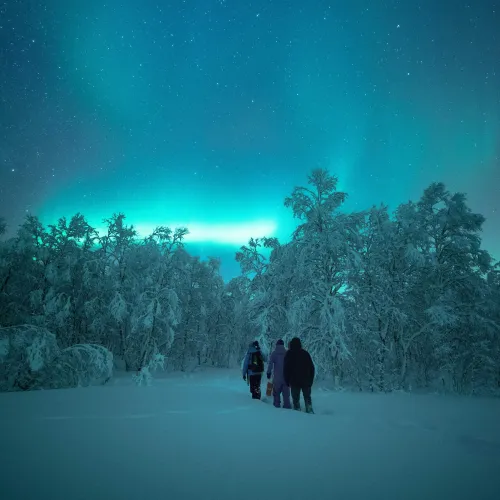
(316, 204)
(40, 273)
(200, 291)
(446, 298)
(266, 310)
(236, 328)
(377, 297)
(492, 312)
(420, 284)
(325, 247)
(25, 351)
(211, 343)
(70, 244)
(145, 304)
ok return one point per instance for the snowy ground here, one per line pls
(202, 437)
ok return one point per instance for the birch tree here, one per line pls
(325, 258)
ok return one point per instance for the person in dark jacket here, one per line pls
(253, 368)
(298, 371)
(275, 368)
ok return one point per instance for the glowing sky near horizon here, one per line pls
(208, 113)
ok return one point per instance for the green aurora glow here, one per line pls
(207, 114)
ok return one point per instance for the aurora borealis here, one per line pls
(207, 113)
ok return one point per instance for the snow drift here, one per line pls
(31, 359)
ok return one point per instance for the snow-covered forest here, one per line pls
(382, 301)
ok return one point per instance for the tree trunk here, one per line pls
(382, 386)
(6, 280)
(123, 346)
(403, 370)
(184, 349)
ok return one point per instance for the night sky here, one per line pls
(207, 113)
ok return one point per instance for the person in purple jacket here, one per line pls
(276, 362)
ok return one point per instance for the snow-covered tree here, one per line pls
(326, 256)
(236, 328)
(145, 304)
(446, 300)
(25, 351)
(377, 298)
(266, 305)
(200, 291)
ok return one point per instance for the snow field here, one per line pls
(200, 436)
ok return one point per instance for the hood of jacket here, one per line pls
(253, 348)
(295, 344)
(280, 349)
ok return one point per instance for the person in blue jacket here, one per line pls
(253, 368)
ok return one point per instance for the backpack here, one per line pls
(256, 362)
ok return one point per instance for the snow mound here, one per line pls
(31, 359)
(80, 365)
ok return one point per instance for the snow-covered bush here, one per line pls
(25, 351)
(144, 376)
(31, 359)
(80, 365)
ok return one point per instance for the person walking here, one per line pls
(275, 369)
(253, 368)
(298, 372)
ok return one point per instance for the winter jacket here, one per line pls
(250, 351)
(298, 368)
(276, 362)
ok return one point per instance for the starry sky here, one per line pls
(207, 113)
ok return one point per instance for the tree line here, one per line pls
(381, 300)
